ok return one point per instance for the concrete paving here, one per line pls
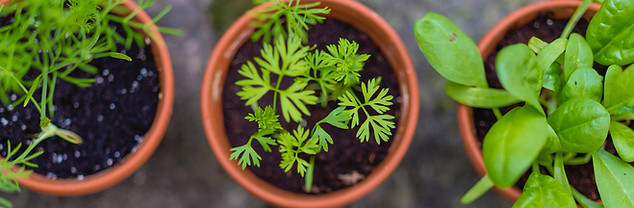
(184, 173)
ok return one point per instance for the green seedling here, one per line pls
(334, 73)
(566, 109)
(49, 40)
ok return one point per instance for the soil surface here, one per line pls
(547, 29)
(348, 161)
(112, 116)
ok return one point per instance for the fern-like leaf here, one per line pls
(246, 155)
(290, 53)
(337, 118)
(344, 56)
(292, 145)
(294, 99)
(297, 16)
(266, 118)
(254, 87)
(379, 124)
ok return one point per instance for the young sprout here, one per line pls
(335, 72)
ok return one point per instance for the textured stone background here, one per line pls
(184, 173)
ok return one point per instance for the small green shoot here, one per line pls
(336, 75)
(568, 108)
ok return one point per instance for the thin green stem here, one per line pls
(276, 90)
(579, 160)
(308, 178)
(575, 18)
(497, 113)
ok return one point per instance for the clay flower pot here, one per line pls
(561, 10)
(391, 45)
(129, 164)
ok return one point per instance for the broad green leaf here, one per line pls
(610, 33)
(623, 138)
(611, 76)
(479, 97)
(552, 78)
(619, 96)
(583, 200)
(513, 143)
(560, 172)
(544, 191)
(615, 179)
(586, 83)
(582, 125)
(519, 73)
(537, 44)
(546, 58)
(450, 51)
(578, 55)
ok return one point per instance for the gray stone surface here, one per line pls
(184, 173)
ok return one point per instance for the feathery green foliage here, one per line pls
(49, 40)
(336, 75)
(297, 18)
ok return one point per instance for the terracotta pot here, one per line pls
(391, 45)
(128, 165)
(563, 9)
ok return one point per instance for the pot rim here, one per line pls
(363, 19)
(125, 167)
(486, 45)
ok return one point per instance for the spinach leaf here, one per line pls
(546, 59)
(450, 51)
(582, 125)
(519, 73)
(479, 97)
(615, 179)
(583, 200)
(513, 143)
(578, 55)
(585, 83)
(611, 31)
(623, 138)
(552, 78)
(552, 143)
(560, 172)
(544, 191)
(619, 96)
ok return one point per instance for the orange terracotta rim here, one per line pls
(391, 45)
(562, 10)
(127, 166)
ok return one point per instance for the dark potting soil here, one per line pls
(548, 29)
(347, 161)
(112, 116)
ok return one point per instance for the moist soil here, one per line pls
(548, 29)
(112, 116)
(348, 161)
